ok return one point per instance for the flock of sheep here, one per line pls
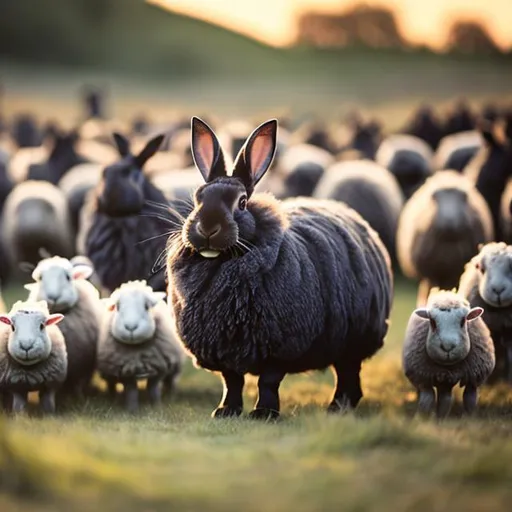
(173, 240)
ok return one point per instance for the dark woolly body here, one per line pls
(315, 290)
(125, 248)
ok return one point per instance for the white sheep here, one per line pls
(447, 343)
(32, 354)
(65, 288)
(137, 342)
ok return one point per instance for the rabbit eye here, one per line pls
(242, 203)
(433, 324)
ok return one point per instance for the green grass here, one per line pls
(176, 457)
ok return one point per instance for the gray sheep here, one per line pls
(268, 288)
(447, 343)
(487, 283)
(36, 217)
(32, 354)
(137, 342)
(440, 229)
(371, 190)
(65, 288)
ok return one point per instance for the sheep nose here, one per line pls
(498, 290)
(26, 344)
(130, 327)
(207, 232)
(447, 346)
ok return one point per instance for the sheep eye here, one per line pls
(480, 267)
(242, 203)
(68, 277)
(146, 306)
(463, 322)
(13, 328)
(433, 324)
(41, 327)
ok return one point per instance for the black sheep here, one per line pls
(426, 126)
(270, 288)
(63, 156)
(25, 132)
(123, 230)
(6, 186)
(490, 170)
(461, 119)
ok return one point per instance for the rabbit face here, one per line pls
(221, 219)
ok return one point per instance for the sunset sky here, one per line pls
(422, 21)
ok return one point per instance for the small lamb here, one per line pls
(137, 342)
(65, 289)
(33, 354)
(447, 343)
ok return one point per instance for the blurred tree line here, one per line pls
(376, 27)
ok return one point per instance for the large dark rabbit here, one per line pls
(270, 288)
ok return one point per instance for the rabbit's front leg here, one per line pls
(232, 403)
(267, 406)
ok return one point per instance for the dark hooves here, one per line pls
(227, 412)
(264, 414)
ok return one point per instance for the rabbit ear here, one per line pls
(122, 144)
(206, 151)
(149, 150)
(256, 155)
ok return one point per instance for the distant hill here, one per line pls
(125, 35)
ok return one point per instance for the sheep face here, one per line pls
(451, 213)
(133, 322)
(448, 339)
(56, 283)
(495, 286)
(29, 342)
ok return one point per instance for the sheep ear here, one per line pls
(422, 313)
(30, 286)
(157, 297)
(256, 155)
(474, 313)
(82, 272)
(5, 319)
(206, 151)
(54, 319)
(122, 144)
(26, 267)
(149, 150)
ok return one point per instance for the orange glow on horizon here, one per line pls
(274, 21)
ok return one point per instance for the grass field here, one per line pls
(177, 458)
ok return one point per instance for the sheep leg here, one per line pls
(154, 390)
(169, 383)
(111, 388)
(7, 401)
(470, 398)
(267, 407)
(348, 387)
(47, 401)
(232, 403)
(131, 396)
(508, 362)
(426, 401)
(423, 291)
(19, 402)
(444, 401)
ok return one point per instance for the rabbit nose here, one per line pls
(207, 232)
